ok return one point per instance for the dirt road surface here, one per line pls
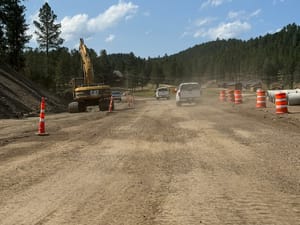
(213, 163)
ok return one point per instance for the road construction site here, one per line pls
(154, 163)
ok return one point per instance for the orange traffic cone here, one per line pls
(41, 131)
(111, 104)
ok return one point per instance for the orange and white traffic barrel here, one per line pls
(223, 96)
(260, 98)
(281, 103)
(237, 97)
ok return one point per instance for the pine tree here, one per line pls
(62, 70)
(132, 70)
(2, 37)
(105, 70)
(47, 31)
(13, 16)
(157, 75)
(2, 41)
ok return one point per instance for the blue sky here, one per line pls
(152, 28)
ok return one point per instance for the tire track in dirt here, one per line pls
(156, 164)
(224, 186)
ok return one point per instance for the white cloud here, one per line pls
(199, 25)
(112, 16)
(213, 3)
(200, 33)
(110, 38)
(82, 25)
(202, 22)
(74, 26)
(224, 30)
(243, 15)
(255, 13)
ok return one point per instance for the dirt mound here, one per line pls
(20, 97)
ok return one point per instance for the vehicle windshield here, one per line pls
(190, 87)
(116, 93)
(163, 89)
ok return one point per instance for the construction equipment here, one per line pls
(85, 91)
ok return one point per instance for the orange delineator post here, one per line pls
(41, 130)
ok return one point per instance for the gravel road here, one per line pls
(212, 163)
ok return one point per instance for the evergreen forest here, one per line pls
(269, 58)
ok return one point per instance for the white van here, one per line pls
(188, 93)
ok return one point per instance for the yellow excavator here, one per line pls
(85, 92)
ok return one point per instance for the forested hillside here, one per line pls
(271, 58)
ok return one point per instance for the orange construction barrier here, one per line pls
(223, 96)
(41, 130)
(260, 98)
(230, 95)
(111, 104)
(281, 103)
(237, 97)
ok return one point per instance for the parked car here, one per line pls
(117, 95)
(188, 93)
(162, 92)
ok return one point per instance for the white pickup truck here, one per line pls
(188, 93)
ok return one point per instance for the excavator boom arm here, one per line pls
(86, 64)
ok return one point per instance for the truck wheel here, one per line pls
(73, 107)
(104, 104)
